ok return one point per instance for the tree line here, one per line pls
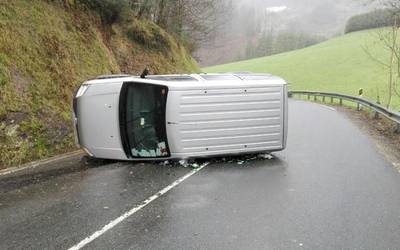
(271, 44)
(191, 21)
(374, 19)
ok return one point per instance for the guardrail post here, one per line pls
(331, 99)
(323, 98)
(308, 96)
(358, 106)
(341, 101)
(397, 131)
(376, 116)
(315, 98)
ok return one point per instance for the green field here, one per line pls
(338, 65)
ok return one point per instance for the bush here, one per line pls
(371, 20)
(149, 36)
(110, 11)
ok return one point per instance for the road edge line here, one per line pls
(35, 164)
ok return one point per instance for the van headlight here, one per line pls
(82, 90)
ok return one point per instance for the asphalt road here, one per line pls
(330, 189)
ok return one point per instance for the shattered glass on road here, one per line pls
(197, 163)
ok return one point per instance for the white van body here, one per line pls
(181, 116)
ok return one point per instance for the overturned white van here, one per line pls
(163, 117)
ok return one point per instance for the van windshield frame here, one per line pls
(142, 117)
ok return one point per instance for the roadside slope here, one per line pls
(337, 65)
(46, 50)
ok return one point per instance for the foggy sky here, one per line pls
(322, 18)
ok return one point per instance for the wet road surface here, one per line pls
(330, 189)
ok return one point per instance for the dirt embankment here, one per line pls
(46, 50)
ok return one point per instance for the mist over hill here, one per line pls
(322, 17)
(252, 18)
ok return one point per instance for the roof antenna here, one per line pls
(144, 73)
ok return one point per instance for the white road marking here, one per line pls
(118, 220)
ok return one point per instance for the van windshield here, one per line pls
(143, 120)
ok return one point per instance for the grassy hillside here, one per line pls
(338, 65)
(46, 51)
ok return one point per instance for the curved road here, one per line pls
(330, 189)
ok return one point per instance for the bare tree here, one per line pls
(389, 39)
(193, 21)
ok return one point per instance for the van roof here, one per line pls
(192, 79)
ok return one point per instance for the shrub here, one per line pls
(110, 11)
(370, 20)
(149, 36)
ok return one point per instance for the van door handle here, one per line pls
(173, 123)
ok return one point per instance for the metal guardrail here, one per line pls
(394, 116)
